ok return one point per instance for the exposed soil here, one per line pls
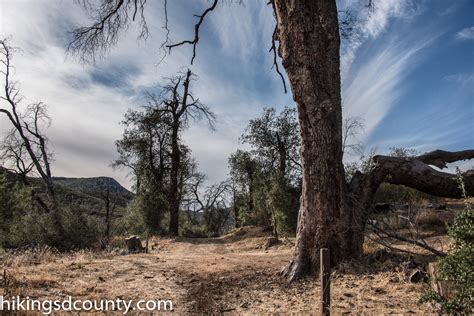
(231, 274)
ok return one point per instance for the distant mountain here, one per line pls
(97, 186)
(83, 193)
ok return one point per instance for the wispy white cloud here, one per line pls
(236, 25)
(372, 90)
(450, 9)
(375, 71)
(372, 24)
(86, 102)
(437, 122)
(466, 33)
(373, 84)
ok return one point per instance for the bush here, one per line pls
(284, 199)
(22, 224)
(197, 231)
(33, 228)
(147, 213)
(458, 267)
(391, 193)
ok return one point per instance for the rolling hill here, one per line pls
(84, 193)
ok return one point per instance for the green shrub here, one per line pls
(391, 193)
(146, 214)
(23, 224)
(284, 201)
(34, 228)
(458, 267)
(133, 221)
(195, 231)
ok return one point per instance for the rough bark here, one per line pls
(333, 214)
(309, 48)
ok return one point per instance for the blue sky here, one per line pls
(408, 73)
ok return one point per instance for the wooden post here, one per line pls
(325, 271)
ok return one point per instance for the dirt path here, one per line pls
(233, 275)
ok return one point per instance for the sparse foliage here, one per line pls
(457, 268)
(152, 149)
(351, 128)
(25, 147)
(209, 207)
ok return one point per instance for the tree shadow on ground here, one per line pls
(242, 291)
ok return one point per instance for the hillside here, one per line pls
(83, 193)
(96, 187)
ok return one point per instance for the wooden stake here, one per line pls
(325, 271)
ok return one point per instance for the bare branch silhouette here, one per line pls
(197, 26)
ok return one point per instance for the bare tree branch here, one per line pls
(440, 158)
(197, 26)
(347, 24)
(26, 134)
(274, 49)
(167, 41)
(352, 126)
(416, 173)
(384, 233)
(110, 17)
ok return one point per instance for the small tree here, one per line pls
(144, 150)
(243, 171)
(177, 106)
(272, 168)
(152, 148)
(25, 146)
(109, 210)
(210, 206)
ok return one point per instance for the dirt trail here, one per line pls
(222, 275)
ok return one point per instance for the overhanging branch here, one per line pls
(197, 26)
(416, 172)
(440, 158)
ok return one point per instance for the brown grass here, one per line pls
(232, 274)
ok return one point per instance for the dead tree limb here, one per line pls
(440, 158)
(30, 144)
(416, 172)
(197, 26)
(109, 18)
(384, 233)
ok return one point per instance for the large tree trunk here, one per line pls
(334, 214)
(309, 47)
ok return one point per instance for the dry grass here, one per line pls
(232, 274)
